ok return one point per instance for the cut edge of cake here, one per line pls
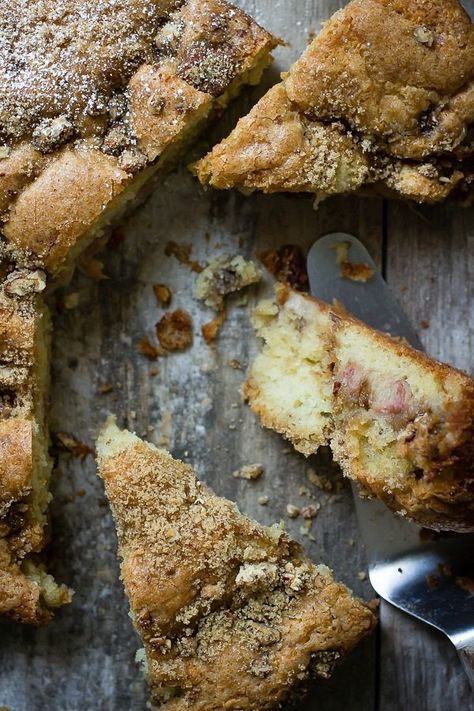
(27, 592)
(398, 422)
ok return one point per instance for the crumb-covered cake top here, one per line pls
(64, 58)
(232, 614)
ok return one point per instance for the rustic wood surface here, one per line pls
(85, 659)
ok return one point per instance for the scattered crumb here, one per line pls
(70, 444)
(432, 581)
(175, 330)
(249, 471)
(154, 372)
(357, 272)
(362, 575)
(182, 252)
(445, 569)
(71, 300)
(105, 388)
(263, 500)
(292, 511)
(81, 492)
(465, 583)
(424, 323)
(287, 264)
(322, 482)
(306, 528)
(235, 364)
(146, 348)
(92, 267)
(210, 330)
(351, 541)
(311, 511)
(224, 275)
(163, 294)
(303, 491)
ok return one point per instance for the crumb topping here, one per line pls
(62, 59)
(224, 605)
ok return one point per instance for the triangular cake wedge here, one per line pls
(81, 141)
(382, 100)
(27, 592)
(232, 614)
(398, 422)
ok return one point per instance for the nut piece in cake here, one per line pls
(82, 141)
(232, 614)
(27, 592)
(351, 116)
(398, 422)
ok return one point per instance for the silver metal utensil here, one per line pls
(401, 567)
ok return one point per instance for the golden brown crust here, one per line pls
(232, 614)
(403, 116)
(154, 73)
(424, 409)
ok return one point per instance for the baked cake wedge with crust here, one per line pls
(398, 422)
(381, 101)
(232, 614)
(27, 592)
(98, 99)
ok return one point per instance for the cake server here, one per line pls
(401, 567)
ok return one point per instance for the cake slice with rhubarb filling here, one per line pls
(398, 422)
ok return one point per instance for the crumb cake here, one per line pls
(232, 614)
(27, 592)
(97, 98)
(398, 422)
(381, 101)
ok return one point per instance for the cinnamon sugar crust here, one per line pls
(232, 614)
(96, 97)
(27, 593)
(397, 421)
(352, 114)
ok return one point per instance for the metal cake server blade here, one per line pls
(401, 567)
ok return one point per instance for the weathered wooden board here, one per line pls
(85, 659)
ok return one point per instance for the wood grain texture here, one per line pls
(85, 659)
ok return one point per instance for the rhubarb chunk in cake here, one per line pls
(98, 99)
(27, 592)
(398, 422)
(382, 100)
(232, 614)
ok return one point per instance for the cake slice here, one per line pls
(27, 592)
(398, 422)
(232, 614)
(97, 100)
(381, 101)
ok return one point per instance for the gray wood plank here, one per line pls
(430, 264)
(85, 659)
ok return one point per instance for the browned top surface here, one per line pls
(91, 93)
(233, 615)
(387, 86)
(66, 57)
